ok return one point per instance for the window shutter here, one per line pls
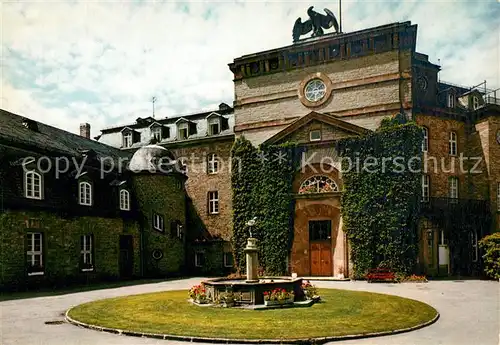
(165, 132)
(224, 123)
(192, 128)
(136, 137)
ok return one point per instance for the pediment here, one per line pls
(331, 128)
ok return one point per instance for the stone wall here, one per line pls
(163, 195)
(61, 247)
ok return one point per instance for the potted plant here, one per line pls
(309, 290)
(278, 296)
(198, 294)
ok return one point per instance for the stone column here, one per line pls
(252, 260)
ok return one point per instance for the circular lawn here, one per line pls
(340, 313)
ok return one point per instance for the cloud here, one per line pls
(101, 62)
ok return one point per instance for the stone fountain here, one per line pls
(252, 288)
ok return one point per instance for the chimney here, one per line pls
(85, 130)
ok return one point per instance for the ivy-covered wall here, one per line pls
(262, 188)
(61, 248)
(163, 195)
(381, 202)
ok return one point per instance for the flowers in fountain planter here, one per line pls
(198, 294)
(309, 290)
(278, 296)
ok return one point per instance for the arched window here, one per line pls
(85, 194)
(318, 184)
(124, 200)
(425, 142)
(33, 185)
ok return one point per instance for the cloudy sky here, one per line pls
(64, 63)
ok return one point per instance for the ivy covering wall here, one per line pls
(262, 187)
(381, 202)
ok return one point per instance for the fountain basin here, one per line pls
(252, 293)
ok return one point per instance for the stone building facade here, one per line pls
(323, 89)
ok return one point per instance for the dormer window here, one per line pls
(130, 137)
(185, 128)
(214, 126)
(159, 132)
(183, 131)
(156, 133)
(475, 102)
(85, 194)
(30, 124)
(451, 100)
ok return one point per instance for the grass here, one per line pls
(342, 312)
(6, 296)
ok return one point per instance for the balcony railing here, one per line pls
(491, 100)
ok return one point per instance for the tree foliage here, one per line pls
(491, 246)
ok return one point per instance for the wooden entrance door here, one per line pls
(320, 243)
(126, 256)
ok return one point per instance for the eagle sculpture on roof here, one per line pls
(316, 23)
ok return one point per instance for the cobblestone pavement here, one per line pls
(470, 314)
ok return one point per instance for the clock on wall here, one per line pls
(498, 136)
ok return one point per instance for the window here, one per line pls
(318, 184)
(498, 196)
(33, 185)
(183, 131)
(199, 259)
(430, 247)
(425, 188)
(86, 259)
(176, 229)
(473, 242)
(475, 102)
(453, 188)
(213, 126)
(453, 143)
(34, 253)
(127, 139)
(425, 141)
(158, 222)
(124, 200)
(451, 100)
(315, 90)
(315, 135)
(156, 132)
(212, 164)
(320, 230)
(228, 259)
(443, 241)
(213, 202)
(85, 194)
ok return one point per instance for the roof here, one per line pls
(51, 139)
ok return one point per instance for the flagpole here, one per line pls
(340, 15)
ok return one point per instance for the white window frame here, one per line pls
(453, 187)
(225, 259)
(156, 132)
(212, 164)
(213, 202)
(181, 127)
(124, 200)
(127, 139)
(311, 135)
(451, 100)
(425, 142)
(475, 252)
(87, 251)
(158, 222)
(211, 122)
(82, 195)
(197, 262)
(31, 254)
(35, 191)
(475, 102)
(425, 188)
(453, 149)
(498, 196)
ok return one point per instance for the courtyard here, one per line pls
(468, 313)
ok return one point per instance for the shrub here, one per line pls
(309, 290)
(491, 246)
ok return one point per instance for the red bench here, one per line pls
(380, 275)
